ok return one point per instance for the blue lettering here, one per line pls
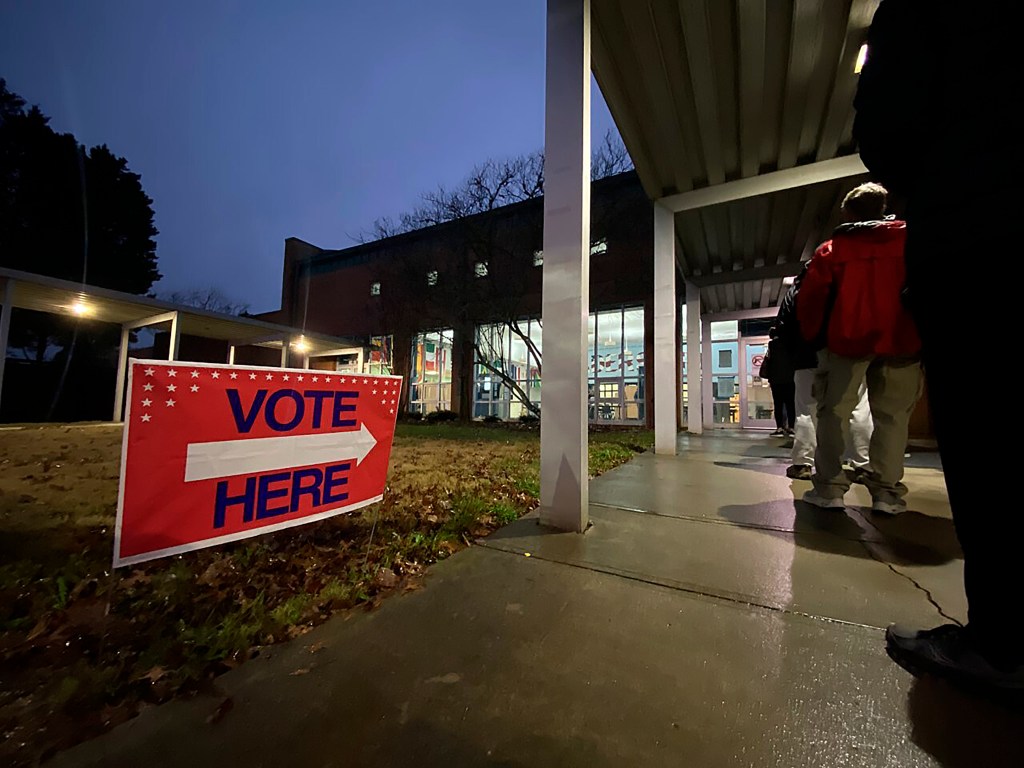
(274, 399)
(331, 481)
(312, 490)
(318, 396)
(267, 494)
(244, 422)
(247, 500)
(340, 406)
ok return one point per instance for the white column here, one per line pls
(7, 297)
(122, 370)
(666, 392)
(707, 390)
(305, 361)
(564, 495)
(172, 345)
(231, 354)
(284, 352)
(694, 362)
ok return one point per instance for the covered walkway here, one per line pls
(737, 629)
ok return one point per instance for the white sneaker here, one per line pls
(815, 499)
(890, 508)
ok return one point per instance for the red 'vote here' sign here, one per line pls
(216, 453)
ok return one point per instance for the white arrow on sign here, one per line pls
(263, 454)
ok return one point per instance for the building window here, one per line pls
(430, 378)
(598, 247)
(480, 269)
(725, 358)
(432, 277)
(382, 357)
(506, 374)
(507, 371)
(538, 258)
(375, 289)
(616, 371)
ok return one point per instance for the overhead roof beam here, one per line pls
(767, 272)
(766, 184)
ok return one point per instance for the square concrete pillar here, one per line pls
(666, 371)
(564, 494)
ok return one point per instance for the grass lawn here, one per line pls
(82, 648)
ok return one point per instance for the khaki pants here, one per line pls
(894, 386)
(805, 440)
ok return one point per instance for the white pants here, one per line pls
(805, 441)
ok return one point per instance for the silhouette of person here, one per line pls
(777, 368)
(935, 123)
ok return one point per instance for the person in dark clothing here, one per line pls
(778, 369)
(935, 124)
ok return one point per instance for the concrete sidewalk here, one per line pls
(705, 620)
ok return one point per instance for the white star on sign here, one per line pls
(146, 403)
(217, 375)
(392, 402)
(252, 377)
(171, 387)
(195, 374)
(170, 403)
(172, 373)
(194, 388)
(300, 377)
(316, 378)
(286, 377)
(342, 379)
(392, 410)
(148, 387)
(145, 417)
(384, 402)
(148, 371)
(270, 377)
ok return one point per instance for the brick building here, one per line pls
(455, 307)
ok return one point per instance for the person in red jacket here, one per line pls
(851, 301)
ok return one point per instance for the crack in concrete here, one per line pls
(678, 587)
(927, 592)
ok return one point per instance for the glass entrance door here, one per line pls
(757, 411)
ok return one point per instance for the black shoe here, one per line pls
(800, 471)
(779, 433)
(790, 433)
(947, 652)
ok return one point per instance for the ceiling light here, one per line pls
(862, 56)
(80, 309)
(300, 345)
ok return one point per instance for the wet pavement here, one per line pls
(706, 619)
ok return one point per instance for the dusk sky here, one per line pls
(254, 121)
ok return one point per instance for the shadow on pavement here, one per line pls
(963, 731)
(909, 539)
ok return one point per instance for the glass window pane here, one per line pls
(609, 343)
(725, 329)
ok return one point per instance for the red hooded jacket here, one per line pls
(854, 283)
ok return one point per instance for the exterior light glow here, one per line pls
(862, 56)
(80, 309)
(300, 345)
